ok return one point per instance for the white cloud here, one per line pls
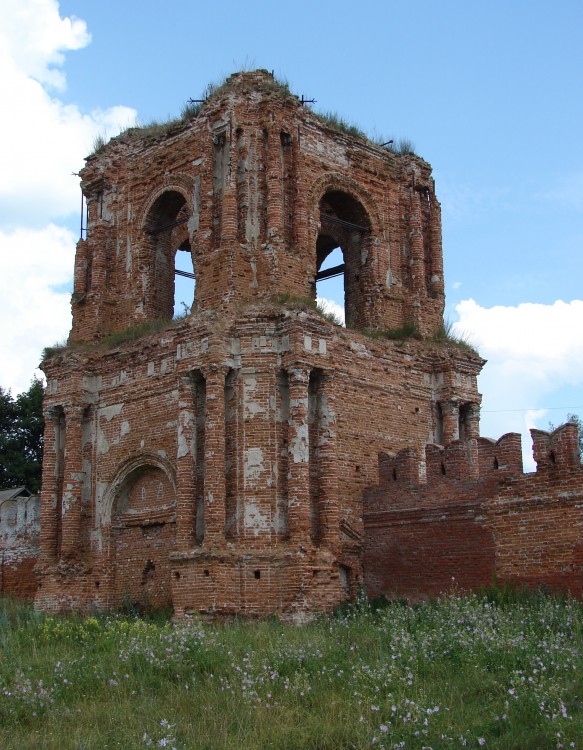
(34, 37)
(34, 313)
(43, 140)
(543, 343)
(533, 350)
(329, 306)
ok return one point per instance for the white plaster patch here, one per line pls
(254, 283)
(255, 519)
(251, 407)
(299, 446)
(124, 429)
(307, 342)
(184, 434)
(322, 348)
(91, 383)
(107, 413)
(253, 465)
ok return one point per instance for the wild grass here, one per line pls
(99, 144)
(463, 671)
(271, 83)
(117, 338)
(335, 121)
(403, 333)
(306, 303)
(445, 334)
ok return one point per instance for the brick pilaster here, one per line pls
(437, 284)
(328, 485)
(72, 484)
(451, 426)
(299, 458)
(274, 183)
(472, 435)
(50, 489)
(214, 474)
(185, 466)
(416, 245)
(229, 203)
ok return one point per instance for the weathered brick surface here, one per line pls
(19, 546)
(218, 463)
(425, 537)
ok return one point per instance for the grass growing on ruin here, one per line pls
(117, 338)
(445, 334)
(497, 671)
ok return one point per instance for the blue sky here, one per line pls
(489, 93)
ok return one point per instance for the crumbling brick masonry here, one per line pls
(217, 463)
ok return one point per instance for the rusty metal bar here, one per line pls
(165, 227)
(186, 274)
(330, 273)
(342, 223)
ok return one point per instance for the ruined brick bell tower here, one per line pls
(217, 462)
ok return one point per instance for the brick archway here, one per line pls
(165, 224)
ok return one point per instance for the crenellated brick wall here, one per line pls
(429, 525)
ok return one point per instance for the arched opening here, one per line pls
(341, 255)
(173, 279)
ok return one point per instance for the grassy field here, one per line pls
(462, 672)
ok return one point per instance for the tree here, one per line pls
(574, 419)
(21, 438)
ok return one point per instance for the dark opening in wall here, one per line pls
(168, 256)
(463, 420)
(438, 414)
(342, 253)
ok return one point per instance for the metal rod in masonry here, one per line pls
(187, 274)
(342, 223)
(330, 273)
(164, 227)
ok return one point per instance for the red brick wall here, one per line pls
(523, 528)
(261, 420)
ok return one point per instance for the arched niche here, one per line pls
(142, 529)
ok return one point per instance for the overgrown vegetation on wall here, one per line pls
(159, 128)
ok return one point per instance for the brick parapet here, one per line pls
(525, 528)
